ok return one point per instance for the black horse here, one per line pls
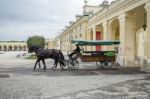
(42, 54)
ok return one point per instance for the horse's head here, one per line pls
(33, 48)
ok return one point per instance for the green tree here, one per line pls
(36, 40)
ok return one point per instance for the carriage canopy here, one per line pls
(95, 42)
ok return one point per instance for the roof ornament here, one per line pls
(85, 2)
(105, 3)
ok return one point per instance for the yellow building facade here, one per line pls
(75, 31)
(124, 20)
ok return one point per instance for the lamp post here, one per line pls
(144, 25)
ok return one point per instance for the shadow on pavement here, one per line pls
(20, 71)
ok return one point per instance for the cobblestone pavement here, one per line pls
(131, 89)
(19, 81)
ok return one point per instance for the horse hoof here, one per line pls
(52, 68)
(44, 69)
(62, 69)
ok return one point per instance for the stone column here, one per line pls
(146, 62)
(122, 40)
(94, 33)
(105, 33)
(127, 40)
(147, 41)
(88, 34)
(94, 36)
(105, 29)
(12, 47)
(84, 31)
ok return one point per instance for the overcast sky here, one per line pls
(20, 19)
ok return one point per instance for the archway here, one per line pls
(0, 48)
(25, 48)
(15, 48)
(20, 48)
(139, 33)
(4, 48)
(115, 30)
(114, 33)
(9, 48)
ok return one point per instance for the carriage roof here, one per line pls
(95, 42)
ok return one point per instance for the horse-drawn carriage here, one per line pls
(103, 59)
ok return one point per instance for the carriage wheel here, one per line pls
(73, 64)
(107, 65)
(100, 64)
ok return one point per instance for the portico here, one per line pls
(122, 23)
(121, 20)
(13, 46)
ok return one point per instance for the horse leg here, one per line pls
(36, 63)
(39, 64)
(61, 66)
(61, 60)
(44, 64)
(54, 65)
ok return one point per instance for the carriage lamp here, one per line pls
(144, 25)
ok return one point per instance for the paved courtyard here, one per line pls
(19, 81)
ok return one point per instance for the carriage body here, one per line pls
(96, 56)
(102, 58)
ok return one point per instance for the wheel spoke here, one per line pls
(73, 64)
